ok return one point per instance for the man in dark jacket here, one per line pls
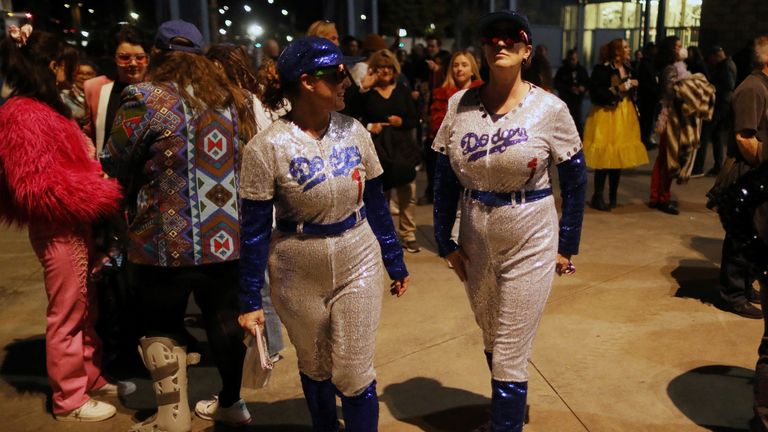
(723, 77)
(647, 93)
(571, 82)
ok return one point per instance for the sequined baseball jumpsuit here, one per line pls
(327, 290)
(511, 248)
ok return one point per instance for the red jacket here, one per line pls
(439, 107)
(47, 173)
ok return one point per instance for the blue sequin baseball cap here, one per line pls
(308, 54)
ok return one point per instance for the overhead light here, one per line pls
(84, 33)
(284, 12)
(66, 5)
(258, 45)
(271, 1)
(134, 15)
(255, 31)
(228, 23)
(363, 17)
(247, 8)
(221, 11)
(432, 26)
(84, 43)
(90, 11)
(226, 8)
(402, 32)
(289, 38)
(222, 31)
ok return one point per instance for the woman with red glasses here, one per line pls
(117, 325)
(496, 145)
(334, 237)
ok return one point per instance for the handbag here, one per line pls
(398, 155)
(257, 368)
(730, 172)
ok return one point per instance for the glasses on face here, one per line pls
(124, 59)
(333, 74)
(509, 39)
(383, 68)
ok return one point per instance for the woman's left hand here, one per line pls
(564, 265)
(400, 286)
(395, 121)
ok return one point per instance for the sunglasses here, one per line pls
(333, 74)
(508, 39)
(124, 59)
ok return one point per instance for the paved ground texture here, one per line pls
(635, 341)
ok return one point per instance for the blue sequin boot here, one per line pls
(508, 406)
(361, 412)
(321, 401)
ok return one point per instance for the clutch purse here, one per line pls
(256, 367)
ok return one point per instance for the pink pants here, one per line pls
(71, 344)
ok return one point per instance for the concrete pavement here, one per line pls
(634, 341)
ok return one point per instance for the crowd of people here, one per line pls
(268, 193)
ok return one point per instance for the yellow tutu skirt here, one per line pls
(612, 137)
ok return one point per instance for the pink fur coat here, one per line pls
(46, 171)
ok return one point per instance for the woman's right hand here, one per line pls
(459, 262)
(249, 320)
(368, 80)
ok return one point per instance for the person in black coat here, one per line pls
(571, 82)
(647, 93)
(386, 108)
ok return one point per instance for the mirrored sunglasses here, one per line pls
(333, 74)
(125, 59)
(508, 39)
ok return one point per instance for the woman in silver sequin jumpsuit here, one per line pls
(496, 146)
(334, 236)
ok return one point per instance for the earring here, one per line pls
(525, 60)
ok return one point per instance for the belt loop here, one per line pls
(522, 196)
(300, 228)
(358, 216)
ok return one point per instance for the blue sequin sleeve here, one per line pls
(573, 190)
(381, 224)
(255, 233)
(447, 192)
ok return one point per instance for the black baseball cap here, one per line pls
(505, 19)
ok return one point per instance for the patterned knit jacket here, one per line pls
(181, 171)
(47, 172)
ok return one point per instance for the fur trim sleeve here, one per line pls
(48, 174)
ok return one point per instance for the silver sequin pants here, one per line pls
(328, 292)
(512, 252)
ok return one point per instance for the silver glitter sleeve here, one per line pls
(564, 138)
(440, 143)
(370, 160)
(257, 175)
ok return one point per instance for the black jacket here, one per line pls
(606, 85)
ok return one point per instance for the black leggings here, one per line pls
(613, 183)
(164, 293)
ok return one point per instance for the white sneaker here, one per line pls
(91, 411)
(118, 388)
(235, 415)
